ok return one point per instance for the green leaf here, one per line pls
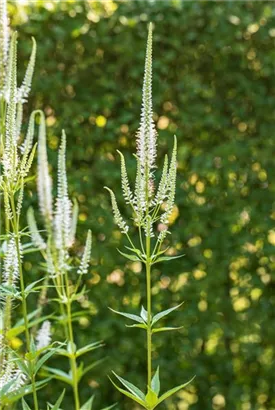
(71, 348)
(174, 390)
(129, 316)
(59, 401)
(109, 407)
(20, 327)
(31, 287)
(144, 314)
(131, 387)
(133, 258)
(166, 258)
(160, 315)
(137, 251)
(131, 396)
(155, 383)
(89, 348)
(44, 358)
(23, 391)
(141, 326)
(151, 399)
(88, 405)
(92, 366)
(166, 329)
(25, 406)
(59, 374)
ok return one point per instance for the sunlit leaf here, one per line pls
(155, 384)
(131, 387)
(129, 316)
(130, 395)
(160, 315)
(174, 390)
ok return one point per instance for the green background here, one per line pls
(214, 87)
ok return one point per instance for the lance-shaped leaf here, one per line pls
(109, 407)
(25, 406)
(92, 366)
(58, 402)
(144, 314)
(166, 258)
(160, 315)
(136, 318)
(59, 374)
(130, 395)
(140, 325)
(155, 383)
(44, 358)
(131, 387)
(23, 391)
(133, 258)
(88, 348)
(166, 329)
(88, 405)
(173, 391)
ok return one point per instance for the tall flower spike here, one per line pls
(127, 193)
(63, 204)
(24, 90)
(140, 194)
(10, 157)
(172, 179)
(147, 135)
(73, 222)
(4, 42)
(11, 377)
(85, 260)
(11, 264)
(44, 181)
(117, 215)
(162, 188)
(43, 338)
(37, 239)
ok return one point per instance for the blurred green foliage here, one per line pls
(214, 87)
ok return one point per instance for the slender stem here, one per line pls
(22, 288)
(73, 362)
(21, 277)
(35, 400)
(149, 310)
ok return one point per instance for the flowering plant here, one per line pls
(148, 206)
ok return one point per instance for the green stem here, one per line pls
(149, 310)
(35, 400)
(22, 288)
(73, 362)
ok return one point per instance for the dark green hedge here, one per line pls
(214, 87)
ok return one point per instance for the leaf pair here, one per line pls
(142, 319)
(55, 406)
(151, 399)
